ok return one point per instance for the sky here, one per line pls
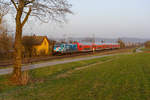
(101, 18)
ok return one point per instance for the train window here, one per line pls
(86, 48)
(99, 47)
(56, 46)
(67, 46)
(80, 46)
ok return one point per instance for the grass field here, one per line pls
(127, 50)
(124, 77)
(145, 49)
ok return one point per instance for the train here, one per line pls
(69, 48)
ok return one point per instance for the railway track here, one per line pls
(38, 59)
(48, 58)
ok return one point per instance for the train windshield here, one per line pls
(56, 46)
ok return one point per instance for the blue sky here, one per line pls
(104, 18)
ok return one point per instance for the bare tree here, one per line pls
(5, 40)
(44, 10)
(122, 44)
(5, 45)
(3, 11)
(147, 44)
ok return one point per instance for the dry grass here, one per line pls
(24, 78)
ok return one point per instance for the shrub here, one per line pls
(147, 44)
(6, 45)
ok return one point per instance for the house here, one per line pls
(37, 45)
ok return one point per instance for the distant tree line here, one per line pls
(6, 41)
(6, 45)
(147, 44)
(122, 44)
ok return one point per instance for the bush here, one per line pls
(122, 44)
(6, 45)
(134, 50)
(147, 44)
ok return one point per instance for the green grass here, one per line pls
(80, 56)
(126, 77)
(145, 49)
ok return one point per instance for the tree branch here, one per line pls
(14, 4)
(29, 2)
(27, 16)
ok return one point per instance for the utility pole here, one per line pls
(93, 38)
(93, 46)
(64, 37)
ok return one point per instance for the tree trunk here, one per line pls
(0, 20)
(17, 55)
(16, 77)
